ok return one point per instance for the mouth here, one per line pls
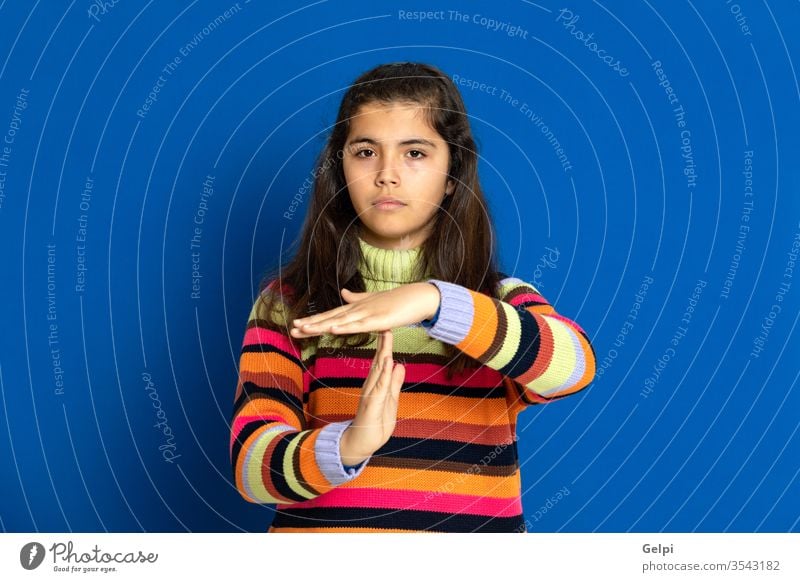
(387, 204)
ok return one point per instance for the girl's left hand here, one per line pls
(367, 312)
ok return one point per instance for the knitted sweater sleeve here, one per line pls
(275, 456)
(544, 355)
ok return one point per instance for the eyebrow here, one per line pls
(410, 141)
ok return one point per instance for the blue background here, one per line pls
(709, 444)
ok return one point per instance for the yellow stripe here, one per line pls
(288, 469)
(253, 468)
(513, 338)
(564, 358)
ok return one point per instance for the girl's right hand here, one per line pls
(375, 420)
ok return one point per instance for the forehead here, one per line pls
(391, 121)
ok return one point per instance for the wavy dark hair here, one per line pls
(460, 248)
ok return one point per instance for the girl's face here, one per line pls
(391, 152)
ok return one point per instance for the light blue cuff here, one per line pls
(329, 456)
(456, 313)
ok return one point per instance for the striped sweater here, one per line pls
(451, 464)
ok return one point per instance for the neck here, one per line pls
(389, 265)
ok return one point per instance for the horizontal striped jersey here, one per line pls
(451, 464)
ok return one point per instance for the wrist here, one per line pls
(436, 300)
(347, 453)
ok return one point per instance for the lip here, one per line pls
(383, 200)
(387, 203)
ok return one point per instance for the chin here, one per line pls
(388, 231)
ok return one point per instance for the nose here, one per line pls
(387, 174)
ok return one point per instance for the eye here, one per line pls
(421, 154)
(359, 152)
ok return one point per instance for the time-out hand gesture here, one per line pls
(372, 311)
(376, 418)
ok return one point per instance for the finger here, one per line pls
(398, 377)
(351, 296)
(379, 363)
(386, 354)
(393, 401)
(373, 383)
(387, 342)
(374, 369)
(385, 378)
(344, 322)
(354, 326)
(379, 347)
(298, 333)
(379, 381)
(317, 317)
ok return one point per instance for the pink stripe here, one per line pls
(359, 367)
(525, 297)
(567, 321)
(414, 500)
(259, 335)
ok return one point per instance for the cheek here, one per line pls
(347, 170)
(358, 187)
(430, 183)
(356, 176)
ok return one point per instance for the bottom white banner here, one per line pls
(354, 557)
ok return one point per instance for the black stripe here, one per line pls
(240, 439)
(276, 468)
(396, 519)
(586, 337)
(298, 469)
(445, 450)
(417, 388)
(528, 346)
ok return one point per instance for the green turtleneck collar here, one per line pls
(388, 266)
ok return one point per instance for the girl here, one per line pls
(396, 263)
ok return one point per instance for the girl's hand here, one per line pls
(366, 312)
(376, 418)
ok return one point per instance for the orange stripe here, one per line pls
(541, 309)
(420, 406)
(264, 406)
(443, 482)
(484, 326)
(273, 379)
(455, 431)
(271, 362)
(309, 467)
(516, 403)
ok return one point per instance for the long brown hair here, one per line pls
(460, 248)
